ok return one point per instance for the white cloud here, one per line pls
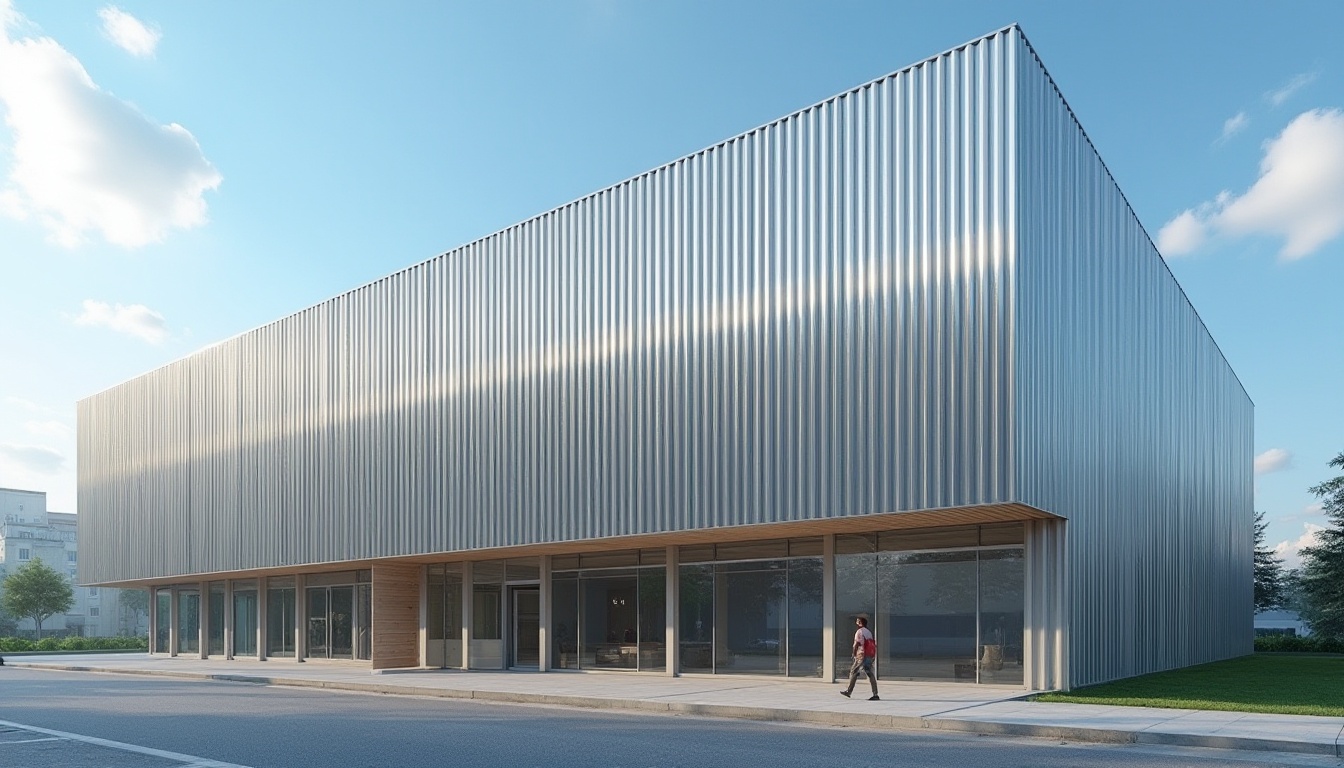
(47, 429)
(27, 405)
(1184, 234)
(32, 458)
(1282, 94)
(128, 32)
(133, 320)
(1299, 195)
(1272, 460)
(84, 161)
(1234, 125)
(1291, 551)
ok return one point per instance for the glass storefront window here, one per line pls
(280, 618)
(245, 620)
(947, 612)
(608, 621)
(750, 607)
(612, 618)
(163, 619)
(805, 618)
(443, 616)
(487, 608)
(215, 628)
(1002, 585)
(188, 621)
(696, 631)
(926, 622)
(760, 617)
(565, 620)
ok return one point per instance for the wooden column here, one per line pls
(396, 616)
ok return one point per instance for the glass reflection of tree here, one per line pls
(697, 603)
(953, 583)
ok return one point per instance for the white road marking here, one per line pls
(192, 761)
(26, 741)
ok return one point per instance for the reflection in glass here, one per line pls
(608, 619)
(696, 615)
(341, 604)
(1002, 584)
(855, 595)
(652, 618)
(565, 621)
(163, 619)
(749, 613)
(245, 622)
(317, 623)
(363, 621)
(280, 617)
(188, 621)
(526, 626)
(215, 627)
(926, 628)
(485, 612)
(805, 618)
(487, 602)
(443, 615)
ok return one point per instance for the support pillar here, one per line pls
(228, 618)
(262, 611)
(544, 609)
(468, 573)
(300, 618)
(673, 611)
(203, 622)
(828, 607)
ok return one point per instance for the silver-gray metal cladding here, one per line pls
(807, 321)
(1130, 422)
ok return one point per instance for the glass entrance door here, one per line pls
(526, 627)
(332, 622)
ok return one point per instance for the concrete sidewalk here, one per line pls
(948, 707)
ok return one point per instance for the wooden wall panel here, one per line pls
(396, 616)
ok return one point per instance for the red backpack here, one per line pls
(869, 647)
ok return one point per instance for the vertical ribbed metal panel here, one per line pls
(1130, 422)
(810, 320)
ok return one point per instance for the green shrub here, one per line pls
(1294, 644)
(123, 643)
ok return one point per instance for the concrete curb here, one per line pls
(766, 714)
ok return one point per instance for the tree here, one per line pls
(1323, 563)
(134, 602)
(36, 591)
(1269, 575)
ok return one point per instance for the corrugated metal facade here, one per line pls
(807, 321)
(923, 293)
(1130, 422)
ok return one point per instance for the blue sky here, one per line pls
(173, 174)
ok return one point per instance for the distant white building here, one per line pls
(29, 532)
(1280, 622)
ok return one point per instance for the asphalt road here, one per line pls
(122, 721)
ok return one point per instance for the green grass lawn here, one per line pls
(1286, 684)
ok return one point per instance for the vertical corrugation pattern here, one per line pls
(807, 321)
(1131, 423)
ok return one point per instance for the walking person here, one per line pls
(865, 650)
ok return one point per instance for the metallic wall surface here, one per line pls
(811, 320)
(1129, 421)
